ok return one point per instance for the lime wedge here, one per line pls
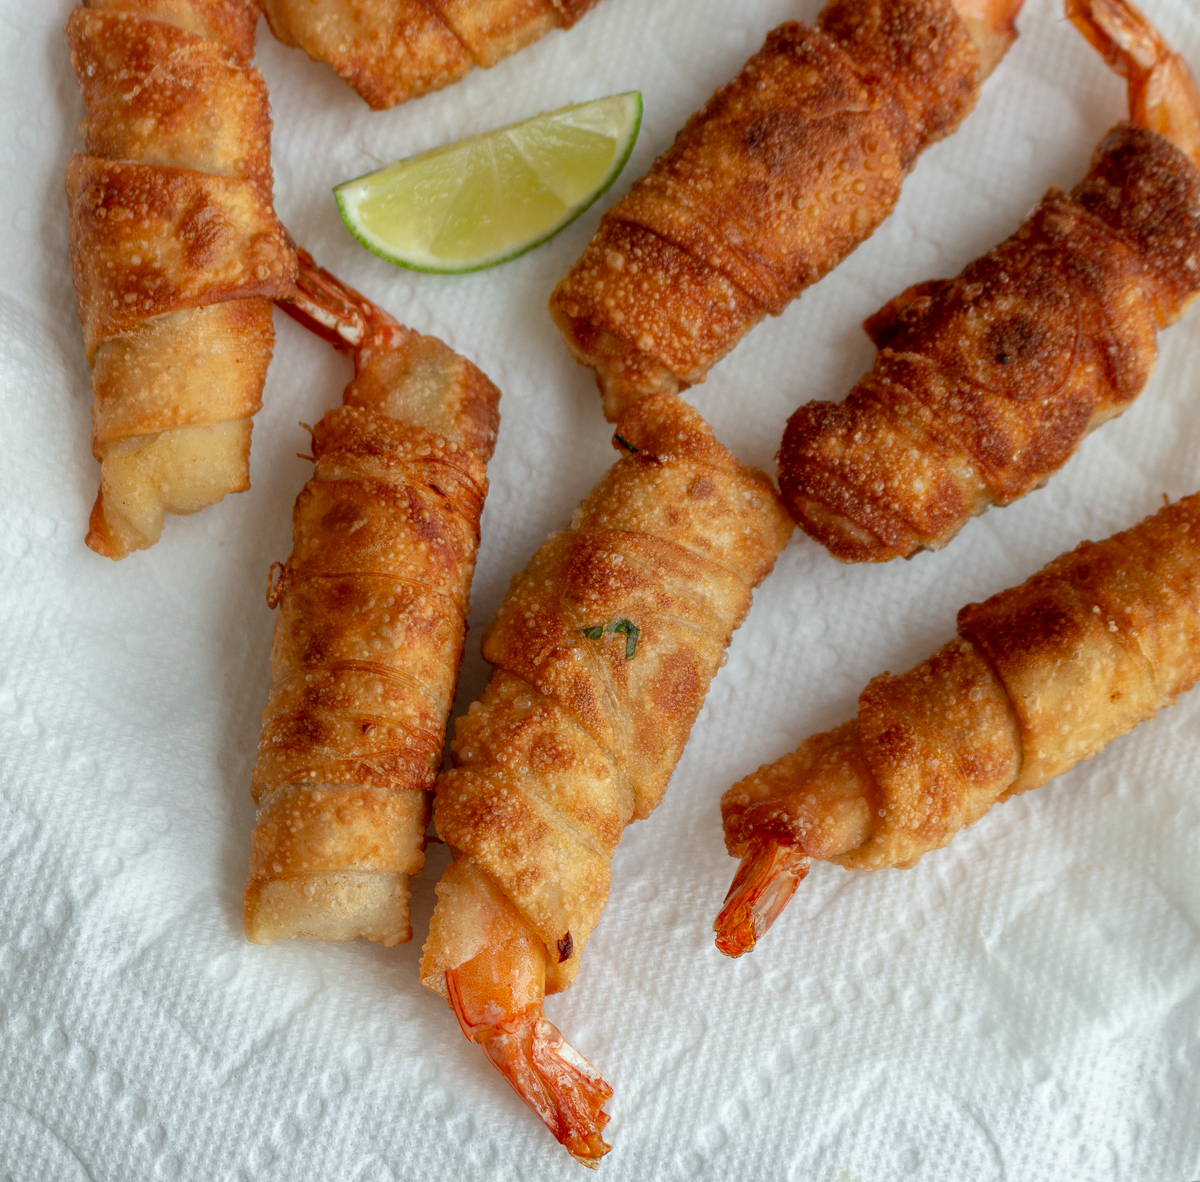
(488, 199)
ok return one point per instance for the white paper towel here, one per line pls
(1024, 1005)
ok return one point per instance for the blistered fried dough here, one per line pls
(1040, 677)
(985, 384)
(394, 50)
(372, 614)
(783, 173)
(176, 253)
(603, 652)
(205, 107)
(228, 23)
(149, 240)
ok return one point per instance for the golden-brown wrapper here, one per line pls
(187, 368)
(603, 652)
(986, 384)
(176, 254)
(206, 108)
(391, 51)
(1041, 676)
(147, 240)
(227, 23)
(781, 175)
(372, 615)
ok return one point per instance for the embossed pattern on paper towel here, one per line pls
(1025, 1003)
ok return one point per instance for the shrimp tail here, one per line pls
(1117, 31)
(1163, 96)
(549, 1074)
(327, 307)
(993, 27)
(770, 872)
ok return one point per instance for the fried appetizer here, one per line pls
(393, 50)
(176, 253)
(1040, 677)
(986, 384)
(785, 171)
(372, 613)
(602, 652)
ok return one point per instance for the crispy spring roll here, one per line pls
(176, 253)
(985, 385)
(372, 613)
(603, 652)
(783, 173)
(393, 50)
(1040, 677)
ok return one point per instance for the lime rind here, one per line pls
(539, 145)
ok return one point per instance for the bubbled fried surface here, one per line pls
(672, 312)
(685, 608)
(191, 367)
(170, 215)
(942, 745)
(228, 23)
(820, 797)
(206, 111)
(1041, 676)
(420, 380)
(147, 240)
(924, 52)
(390, 51)
(372, 613)
(581, 724)
(781, 175)
(686, 489)
(373, 603)
(791, 165)
(1148, 193)
(324, 828)
(491, 30)
(1097, 641)
(986, 384)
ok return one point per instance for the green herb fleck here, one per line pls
(626, 444)
(627, 628)
(631, 631)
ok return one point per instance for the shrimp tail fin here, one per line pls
(1110, 29)
(993, 27)
(1163, 96)
(329, 308)
(770, 872)
(549, 1074)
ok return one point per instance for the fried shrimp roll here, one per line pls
(369, 638)
(1040, 677)
(602, 652)
(393, 50)
(176, 253)
(785, 171)
(985, 385)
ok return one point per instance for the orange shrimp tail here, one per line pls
(770, 872)
(1117, 31)
(330, 308)
(549, 1074)
(1163, 96)
(992, 25)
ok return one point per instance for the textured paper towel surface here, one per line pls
(1024, 1005)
